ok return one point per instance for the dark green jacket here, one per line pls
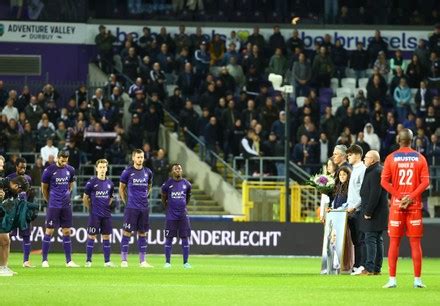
(16, 213)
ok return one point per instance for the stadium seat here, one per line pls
(344, 92)
(349, 83)
(363, 82)
(326, 92)
(334, 83)
(170, 90)
(300, 101)
(336, 102)
(369, 72)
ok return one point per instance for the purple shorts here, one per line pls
(181, 227)
(61, 217)
(136, 220)
(99, 225)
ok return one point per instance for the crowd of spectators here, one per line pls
(224, 98)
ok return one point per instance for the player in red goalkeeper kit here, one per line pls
(405, 176)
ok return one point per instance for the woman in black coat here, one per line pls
(374, 209)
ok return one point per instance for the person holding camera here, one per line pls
(12, 216)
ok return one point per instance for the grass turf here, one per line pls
(214, 280)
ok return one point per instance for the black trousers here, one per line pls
(357, 236)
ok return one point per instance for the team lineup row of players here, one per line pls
(134, 187)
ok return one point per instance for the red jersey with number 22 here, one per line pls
(405, 173)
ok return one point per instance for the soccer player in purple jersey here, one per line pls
(20, 169)
(98, 196)
(176, 193)
(56, 186)
(134, 188)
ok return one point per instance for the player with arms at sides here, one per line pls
(176, 193)
(405, 176)
(20, 169)
(98, 196)
(56, 185)
(134, 187)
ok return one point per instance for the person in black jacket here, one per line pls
(374, 209)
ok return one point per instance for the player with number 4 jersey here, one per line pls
(405, 176)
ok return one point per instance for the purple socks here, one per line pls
(142, 247)
(89, 249)
(124, 247)
(185, 249)
(106, 250)
(26, 247)
(45, 246)
(67, 245)
(168, 247)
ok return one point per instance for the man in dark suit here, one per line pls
(374, 209)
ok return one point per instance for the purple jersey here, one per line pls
(100, 193)
(59, 180)
(137, 182)
(177, 192)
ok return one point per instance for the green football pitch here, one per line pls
(213, 280)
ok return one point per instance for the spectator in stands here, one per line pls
(158, 79)
(433, 156)
(131, 63)
(151, 123)
(432, 122)
(434, 40)
(249, 114)
(136, 87)
(359, 99)
(344, 16)
(45, 132)
(13, 136)
(371, 137)
(423, 99)
(341, 111)
(376, 91)
(23, 100)
(187, 82)
(381, 64)
(211, 134)
(148, 155)
(60, 135)
(276, 40)
(256, 38)
(339, 56)
(216, 50)
(294, 42)
(301, 75)
(175, 103)
(104, 43)
(188, 121)
(116, 100)
(255, 60)
(402, 99)
(28, 141)
(3, 94)
(249, 148)
(301, 151)
(397, 61)
(236, 71)
(434, 75)
(361, 118)
(181, 40)
(322, 68)
(414, 72)
(375, 46)
(330, 125)
(196, 39)
(160, 169)
(202, 60)
(10, 111)
(135, 132)
(117, 151)
(145, 41)
(423, 54)
(50, 93)
(278, 63)
(360, 141)
(48, 150)
(227, 80)
(138, 105)
(164, 38)
(181, 60)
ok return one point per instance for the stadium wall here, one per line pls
(225, 238)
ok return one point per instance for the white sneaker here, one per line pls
(88, 264)
(187, 265)
(109, 265)
(124, 264)
(4, 271)
(27, 264)
(419, 285)
(390, 285)
(167, 265)
(45, 264)
(358, 271)
(71, 264)
(145, 264)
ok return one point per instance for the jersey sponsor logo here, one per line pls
(394, 223)
(101, 194)
(416, 222)
(141, 181)
(177, 194)
(406, 157)
(62, 180)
